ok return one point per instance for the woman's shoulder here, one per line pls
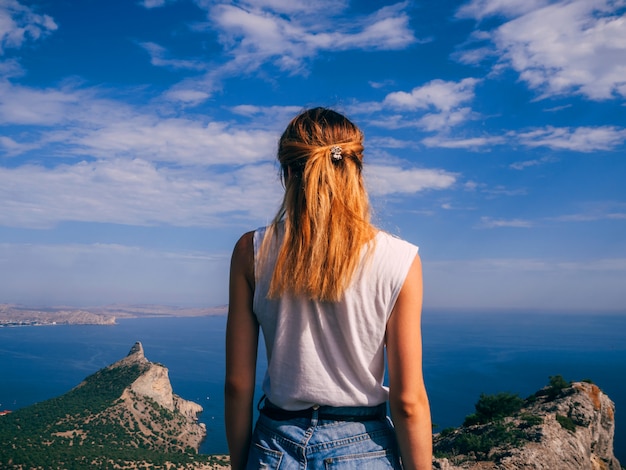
(245, 240)
(244, 248)
(243, 256)
(249, 239)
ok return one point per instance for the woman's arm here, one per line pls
(242, 336)
(407, 394)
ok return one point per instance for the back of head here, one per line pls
(325, 209)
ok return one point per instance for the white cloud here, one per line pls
(558, 108)
(562, 47)
(77, 122)
(12, 148)
(136, 193)
(469, 143)
(436, 94)
(445, 120)
(579, 139)
(187, 96)
(387, 179)
(530, 163)
(500, 190)
(576, 139)
(383, 84)
(475, 55)
(291, 6)
(389, 142)
(386, 29)
(271, 115)
(283, 34)
(154, 3)
(158, 58)
(444, 98)
(10, 68)
(480, 9)
(488, 222)
(182, 141)
(259, 34)
(19, 23)
(23, 105)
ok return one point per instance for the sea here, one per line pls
(465, 354)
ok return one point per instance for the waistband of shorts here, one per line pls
(330, 413)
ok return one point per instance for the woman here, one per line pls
(330, 293)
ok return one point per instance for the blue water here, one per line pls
(465, 354)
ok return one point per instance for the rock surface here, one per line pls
(153, 385)
(570, 431)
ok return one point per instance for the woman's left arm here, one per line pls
(242, 337)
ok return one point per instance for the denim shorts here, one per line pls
(337, 438)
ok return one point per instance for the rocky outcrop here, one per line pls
(154, 383)
(556, 429)
(152, 388)
(124, 416)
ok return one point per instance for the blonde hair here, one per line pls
(325, 209)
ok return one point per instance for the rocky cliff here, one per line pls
(153, 386)
(124, 416)
(559, 428)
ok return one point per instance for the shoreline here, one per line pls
(14, 316)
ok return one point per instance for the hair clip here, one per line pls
(335, 152)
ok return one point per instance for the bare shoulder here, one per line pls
(245, 245)
(242, 260)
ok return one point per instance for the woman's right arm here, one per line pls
(408, 400)
(242, 335)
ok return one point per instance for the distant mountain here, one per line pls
(15, 315)
(561, 427)
(124, 416)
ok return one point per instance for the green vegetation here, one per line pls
(482, 442)
(486, 429)
(530, 420)
(89, 428)
(494, 407)
(555, 387)
(566, 422)
(499, 422)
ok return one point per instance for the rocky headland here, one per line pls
(561, 427)
(124, 416)
(152, 391)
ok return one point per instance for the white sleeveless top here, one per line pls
(330, 353)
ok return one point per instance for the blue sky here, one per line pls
(137, 142)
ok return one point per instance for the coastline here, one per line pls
(12, 315)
